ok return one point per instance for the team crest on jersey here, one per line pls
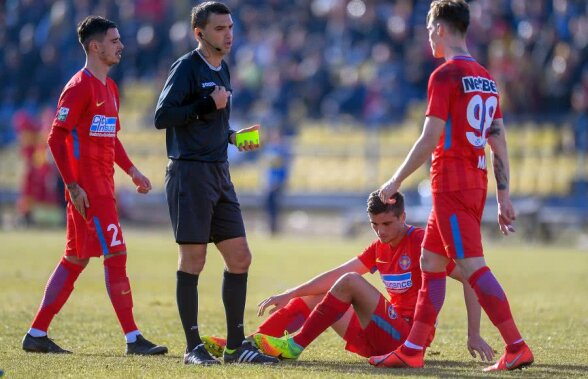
(404, 262)
(398, 283)
(62, 113)
(392, 312)
(103, 126)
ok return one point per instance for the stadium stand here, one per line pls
(346, 81)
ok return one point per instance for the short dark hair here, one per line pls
(93, 27)
(456, 13)
(376, 206)
(201, 13)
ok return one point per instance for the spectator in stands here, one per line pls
(327, 57)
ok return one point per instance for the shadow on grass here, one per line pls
(439, 369)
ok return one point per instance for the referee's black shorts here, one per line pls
(202, 202)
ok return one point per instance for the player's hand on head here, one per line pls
(387, 190)
(476, 344)
(220, 96)
(141, 181)
(79, 198)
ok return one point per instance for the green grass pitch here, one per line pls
(547, 288)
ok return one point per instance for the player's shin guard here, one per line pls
(234, 292)
(59, 286)
(493, 299)
(290, 319)
(323, 316)
(429, 303)
(119, 291)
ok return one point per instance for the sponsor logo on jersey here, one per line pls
(103, 126)
(392, 312)
(208, 84)
(62, 113)
(398, 283)
(478, 84)
(404, 262)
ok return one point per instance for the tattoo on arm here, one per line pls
(500, 173)
(494, 130)
(74, 189)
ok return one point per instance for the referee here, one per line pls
(194, 109)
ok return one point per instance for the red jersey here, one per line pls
(88, 109)
(462, 93)
(399, 269)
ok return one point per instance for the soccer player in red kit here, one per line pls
(368, 321)
(85, 146)
(462, 116)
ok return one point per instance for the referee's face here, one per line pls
(218, 33)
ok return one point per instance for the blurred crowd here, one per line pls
(364, 59)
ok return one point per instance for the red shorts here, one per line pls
(385, 332)
(99, 234)
(453, 228)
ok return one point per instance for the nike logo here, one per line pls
(378, 260)
(126, 292)
(512, 363)
(99, 103)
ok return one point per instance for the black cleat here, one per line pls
(248, 353)
(145, 347)
(199, 356)
(41, 345)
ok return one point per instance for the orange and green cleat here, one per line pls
(522, 357)
(214, 345)
(398, 359)
(283, 347)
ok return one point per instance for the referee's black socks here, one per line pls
(234, 292)
(187, 299)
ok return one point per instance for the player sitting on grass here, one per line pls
(374, 323)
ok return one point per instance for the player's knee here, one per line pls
(77, 261)
(432, 262)
(346, 282)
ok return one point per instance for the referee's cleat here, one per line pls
(199, 356)
(143, 346)
(522, 357)
(41, 345)
(247, 353)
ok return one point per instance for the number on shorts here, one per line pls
(115, 241)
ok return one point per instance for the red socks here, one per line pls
(429, 303)
(493, 299)
(59, 286)
(119, 290)
(329, 310)
(290, 319)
